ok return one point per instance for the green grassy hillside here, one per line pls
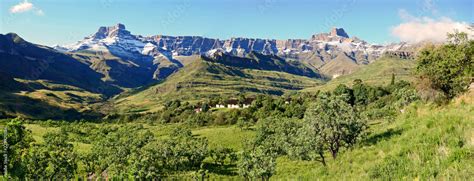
(204, 79)
(377, 73)
(426, 142)
(340, 65)
(41, 99)
(260, 61)
(35, 62)
(119, 71)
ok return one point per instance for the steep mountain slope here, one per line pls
(318, 51)
(203, 79)
(377, 73)
(342, 64)
(118, 39)
(21, 59)
(124, 59)
(119, 71)
(7, 83)
(40, 83)
(113, 60)
(255, 60)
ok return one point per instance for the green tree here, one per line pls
(183, 151)
(241, 99)
(309, 145)
(335, 123)
(205, 107)
(361, 93)
(55, 159)
(457, 37)
(450, 68)
(18, 142)
(114, 150)
(346, 92)
(199, 119)
(220, 155)
(257, 162)
(243, 124)
(149, 163)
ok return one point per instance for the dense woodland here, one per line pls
(316, 127)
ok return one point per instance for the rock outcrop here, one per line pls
(318, 50)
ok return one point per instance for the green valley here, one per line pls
(121, 106)
(203, 80)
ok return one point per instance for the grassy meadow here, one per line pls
(424, 142)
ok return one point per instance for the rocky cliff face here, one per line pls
(318, 50)
(183, 45)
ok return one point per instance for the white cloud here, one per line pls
(419, 29)
(25, 6)
(22, 7)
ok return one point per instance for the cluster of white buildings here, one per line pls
(232, 106)
(235, 104)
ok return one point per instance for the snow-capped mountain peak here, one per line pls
(110, 32)
(120, 41)
(115, 39)
(339, 32)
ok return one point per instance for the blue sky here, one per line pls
(66, 21)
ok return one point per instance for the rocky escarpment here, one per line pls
(317, 51)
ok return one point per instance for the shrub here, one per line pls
(336, 123)
(222, 155)
(257, 162)
(450, 68)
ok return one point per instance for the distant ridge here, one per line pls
(317, 51)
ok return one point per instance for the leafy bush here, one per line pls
(55, 159)
(222, 155)
(335, 122)
(19, 140)
(257, 162)
(450, 68)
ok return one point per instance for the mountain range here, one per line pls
(317, 52)
(147, 70)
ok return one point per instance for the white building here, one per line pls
(233, 106)
(220, 106)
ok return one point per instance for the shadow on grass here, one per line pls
(13, 105)
(228, 170)
(249, 129)
(374, 139)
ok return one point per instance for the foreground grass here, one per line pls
(425, 142)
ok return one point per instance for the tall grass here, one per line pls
(425, 142)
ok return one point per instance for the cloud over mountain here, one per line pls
(25, 6)
(419, 29)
